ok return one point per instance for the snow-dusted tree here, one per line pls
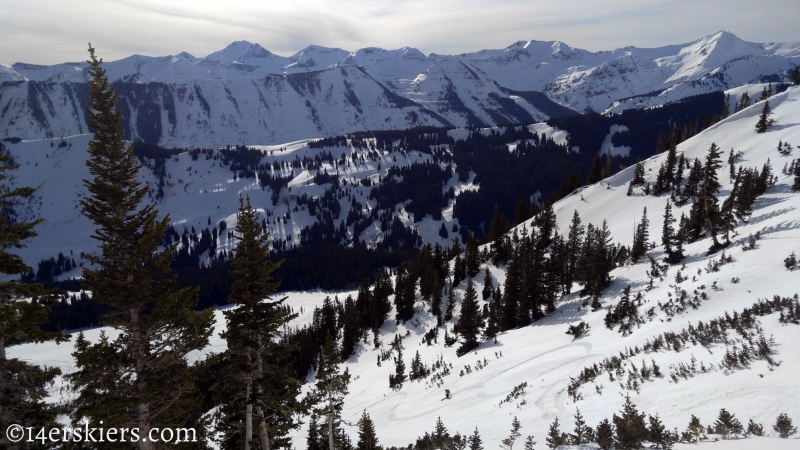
(554, 435)
(582, 434)
(631, 429)
(474, 441)
(727, 424)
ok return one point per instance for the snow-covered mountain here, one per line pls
(244, 94)
(528, 372)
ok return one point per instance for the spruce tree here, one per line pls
(574, 245)
(641, 238)
(514, 435)
(582, 434)
(367, 437)
(596, 171)
(474, 441)
(451, 304)
(783, 426)
(796, 184)
(330, 389)
(23, 309)
(727, 424)
(631, 429)
(313, 440)
(469, 324)
(659, 435)
(257, 387)
(764, 120)
(530, 443)
(140, 379)
(554, 435)
(488, 285)
(708, 192)
(604, 435)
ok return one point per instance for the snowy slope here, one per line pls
(545, 357)
(244, 86)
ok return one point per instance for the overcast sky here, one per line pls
(55, 31)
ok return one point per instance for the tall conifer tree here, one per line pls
(141, 378)
(258, 390)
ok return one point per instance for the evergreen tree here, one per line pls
(669, 239)
(783, 426)
(659, 435)
(596, 171)
(399, 369)
(523, 212)
(22, 385)
(256, 385)
(451, 304)
(515, 434)
(313, 440)
(708, 192)
(790, 262)
(554, 435)
(417, 368)
(641, 238)
(764, 121)
(475, 442)
(141, 379)
(367, 437)
(605, 435)
(744, 102)
(529, 443)
(492, 324)
(727, 424)
(470, 323)
(330, 389)
(582, 434)
(488, 285)
(796, 184)
(472, 260)
(754, 429)
(631, 430)
(498, 227)
(574, 244)
(695, 430)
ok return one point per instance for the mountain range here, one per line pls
(245, 94)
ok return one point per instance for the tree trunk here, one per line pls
(248, 419)
(330, 426)
(262, 428)
(143, 413)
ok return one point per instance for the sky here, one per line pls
(56, 31)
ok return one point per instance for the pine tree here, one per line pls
(515, 434)
(523, 212)
(754, 429)
(574, 245)
(669, 238)
(141, 378)
(451, 304)
(256, 384)
(596, 171)
(582, 434)
(727, 424)
(367, 437)
(417, 368)
(475, 442)
(492, 323)
(790, 262)
(640, 241)
(708, 193)
(22, 385)
(399, 369)
(631, 430)
(659, 435)
(469, 324)
(472, 260)
(605, 435)
(554, 435)
(764, 121)
(330, 389)
(529, 443)
(744, 102)
(695, 429)
(488, 285)
(313, 440)
(498, 227)
(783, 426)
(796, 185)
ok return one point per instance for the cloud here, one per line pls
(47, 32)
